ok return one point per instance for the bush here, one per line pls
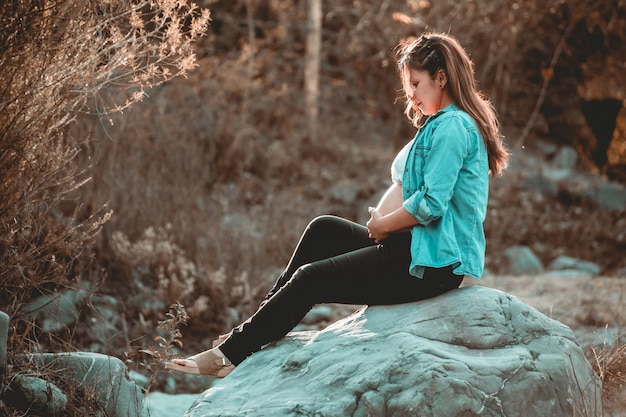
(59, 59)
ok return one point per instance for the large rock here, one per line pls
(35, 395)
(4, 338)
(105, 377)
(472, 352)
(522, 260)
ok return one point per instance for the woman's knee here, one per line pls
(325, 221)
(304, 281)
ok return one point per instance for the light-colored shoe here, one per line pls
(208, 363)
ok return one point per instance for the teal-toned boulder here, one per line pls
(36, 396)
(4, 334)
(105, 376)
(474, 351)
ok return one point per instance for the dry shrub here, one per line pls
(610, 364)
(157, 263)
(56, 59)
(153, 269)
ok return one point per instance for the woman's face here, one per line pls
(425, 92)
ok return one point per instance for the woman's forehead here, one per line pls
(413, 74)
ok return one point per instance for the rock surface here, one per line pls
(4, 334)
(35, 395)
(159, 404)
(104, 376)
(475, 351)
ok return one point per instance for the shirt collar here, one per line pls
(449, 107)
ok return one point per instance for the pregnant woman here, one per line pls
(426, 233)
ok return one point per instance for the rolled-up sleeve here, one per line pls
(441, 167)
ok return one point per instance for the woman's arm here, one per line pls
(389, 216)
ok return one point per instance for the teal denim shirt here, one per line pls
(445, 185)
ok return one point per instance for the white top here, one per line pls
(397, 167)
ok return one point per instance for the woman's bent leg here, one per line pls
(324, 237)
(371, 275)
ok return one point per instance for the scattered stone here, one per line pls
(540, 183)
(241, 225)
(606, 339)
(522, 260)
(566, 263)
(32, 394)
(565, 158)
(4, 334)
(140, 379)
(611, 196)
(55, 311)
(473, 351)
(548, 149)
(557, 174)
(318, 314)
(567, 273)
(344, 192)
(232, 317)
(104, 315)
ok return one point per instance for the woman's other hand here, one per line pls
(375, 225)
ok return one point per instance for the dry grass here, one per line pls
(610, 365)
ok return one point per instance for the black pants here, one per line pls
(336, 262)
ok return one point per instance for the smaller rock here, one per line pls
(548, 149)
(55, 311)
(106, 376)
(139, 379)
(557, 174)
(541, 183)
(241, 225)
(522, 260)
(604, 338)
(318, 314)
(565, 158)
(344, 192)
(28, 393)
(566, 263)
(4, 334)
(611, 196)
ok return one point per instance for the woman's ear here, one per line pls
(442, 78)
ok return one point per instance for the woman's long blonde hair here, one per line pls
(432, 52)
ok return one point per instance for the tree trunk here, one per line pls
(312, 64)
